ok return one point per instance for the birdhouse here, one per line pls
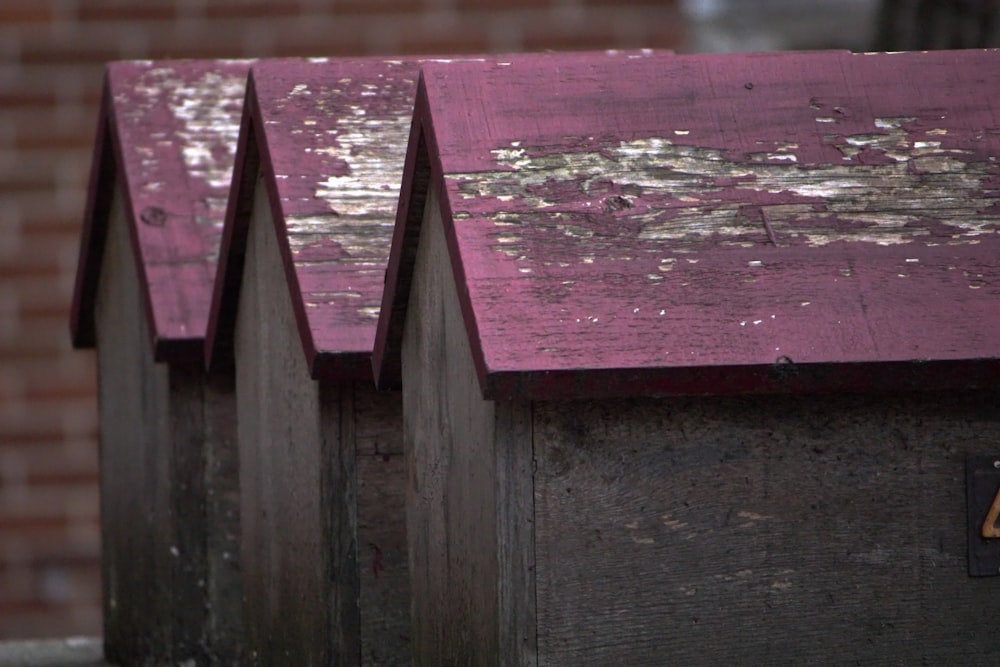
(169, 505)
(295, 308)
(697, 354)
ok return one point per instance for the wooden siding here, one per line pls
(169, 513)
(761, 530)
(291, 614)
(133, 398)
(324, 557)
(718, 223)
(468, 499)
(704, 530)
(168, 132)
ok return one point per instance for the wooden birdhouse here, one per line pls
(694, 353)
(296, 303)
(169, 513)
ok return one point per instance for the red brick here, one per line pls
(48, 504)
(36, 296)
(638, 6)
(48, 622)
(49, 127)
(26, 13)
(50, 465)
(376, 9)
(251, 9)
(470, 6)
(319, 41)
(29, 171)
(38, 338)
(470, 37)
(127, 10)
(41, 47)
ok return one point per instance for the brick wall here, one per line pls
(51, 55)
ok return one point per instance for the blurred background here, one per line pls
(51, 60)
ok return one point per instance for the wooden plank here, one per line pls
(462, 609)
(380, 538)
(169, 522)
(223, 583)
(132, 398)
(329, 135)
(760, 530)
(740, 212)
(515, 465)
(322, 486)
(204, 612)
(290, 599)
(168, 130)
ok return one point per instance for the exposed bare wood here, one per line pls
(133, 399)
(322, 485)
(740, 214)
(168, 477)
(802, 530)
(469, 605)
(682, 248)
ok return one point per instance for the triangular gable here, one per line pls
(167, 135)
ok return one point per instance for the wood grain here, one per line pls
(697, 220)
(322, 488)
(168, 131)
(170, 522)
(329, 135)
(132, 398)
(764, 530)
(290, 599)
(472, 595)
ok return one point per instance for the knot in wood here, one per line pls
(154, 216)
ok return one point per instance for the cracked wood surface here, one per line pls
(716, 223)
(327, 138)
(167, 133)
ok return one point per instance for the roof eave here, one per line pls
(100, 191)
(218, 344)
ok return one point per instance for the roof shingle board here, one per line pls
(167, 133)
(717, 224)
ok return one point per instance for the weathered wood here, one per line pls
(286, 556)
(170, 520)
(747, 223)
(132, 396)
(324, 548)
(169, 130)
(806, 530)
(810, 526)
(466, 488)
(296, 299)
(330, 137)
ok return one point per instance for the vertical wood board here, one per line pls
(285, 555)
(463, 611)
(322, 487)
(132, 399)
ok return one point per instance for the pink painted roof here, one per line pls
(713, 223)
(329, 138)
(167, 134)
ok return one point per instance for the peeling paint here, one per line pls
(894, 187)
(207, 109)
